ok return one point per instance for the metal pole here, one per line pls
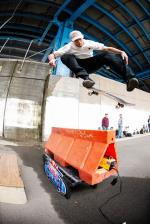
(25, 55)
(4, 45)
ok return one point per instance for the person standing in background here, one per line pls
(148, 124)
(105, 122)
(120, 126)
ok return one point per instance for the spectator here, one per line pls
(136, 132)
(149, 123)
(126, 132)
(143, 130)
(105, 122)
(120, 126)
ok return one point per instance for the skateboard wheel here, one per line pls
(95, 92)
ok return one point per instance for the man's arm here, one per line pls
(61, 51)
(52, 60)
(117, 51)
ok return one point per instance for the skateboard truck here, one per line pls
(119, 105)
(93, 92)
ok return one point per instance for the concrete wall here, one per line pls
(69, 105)
(30, 104)
(21, 99)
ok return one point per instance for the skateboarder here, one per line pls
(77, 55)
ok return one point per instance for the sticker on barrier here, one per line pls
(53, 173)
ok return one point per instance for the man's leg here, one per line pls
(120, 132)
(116, 63)
(104, 128)
(92, 64)
(71, 62)
(149, 127)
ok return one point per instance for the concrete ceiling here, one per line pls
(30, 26)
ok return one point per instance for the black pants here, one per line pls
(83, 67)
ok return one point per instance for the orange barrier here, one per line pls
(83, 150)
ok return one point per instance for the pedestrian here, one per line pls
(148, 124)
(105, 122)
(120, 126)
(77, 55)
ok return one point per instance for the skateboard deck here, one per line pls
(120, 101)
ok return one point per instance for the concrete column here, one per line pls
(22, 100)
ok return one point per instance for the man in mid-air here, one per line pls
(78, 56)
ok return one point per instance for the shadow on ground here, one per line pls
(130, 206)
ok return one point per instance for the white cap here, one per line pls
(74, 35)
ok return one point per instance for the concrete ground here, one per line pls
(46, 206)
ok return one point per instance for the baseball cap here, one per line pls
(74, 35)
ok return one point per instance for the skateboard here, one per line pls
(120, 102)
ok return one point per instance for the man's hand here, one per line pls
(52, 60)
(52, 63)
(124, 57)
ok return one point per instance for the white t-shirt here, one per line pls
(85, 51)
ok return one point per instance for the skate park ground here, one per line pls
(46, 206)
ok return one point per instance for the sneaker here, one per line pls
(88, 83)
(132, 84)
